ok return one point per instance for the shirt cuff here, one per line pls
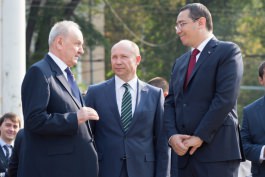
(261, 157)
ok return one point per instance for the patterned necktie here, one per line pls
(191, 66)
(7, 153)
(72, 83)
(126, 108)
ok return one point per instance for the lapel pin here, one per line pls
(209, 52)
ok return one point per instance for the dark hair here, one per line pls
(12, 116)
(198, 10)
(159, 82)
(261, 69)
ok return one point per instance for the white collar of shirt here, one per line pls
(119, 82)
(2, 143)
(119, 89)
(59, 62)
(202, 45)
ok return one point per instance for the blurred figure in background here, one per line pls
(17, 154)
(253, 130)
(160, 82)
(10, 124)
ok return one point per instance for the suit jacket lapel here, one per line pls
(205, 54)
(60, 76)
(110, 93)
(140, 97)
(179, 75)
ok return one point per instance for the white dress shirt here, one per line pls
(202, 45)
(60, 63)
(120, 91)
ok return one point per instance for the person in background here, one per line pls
(17, 155)
(162, 83)
(10, 124)
(129, 135)
(57, 139)
(200, 109)
(253, 130)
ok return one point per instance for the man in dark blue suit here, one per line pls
(253, 131)
(135, 146)
(57, 136)
(200, 109)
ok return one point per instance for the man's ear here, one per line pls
(138, 59)
(59, 42)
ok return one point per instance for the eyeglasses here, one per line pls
(181, 25)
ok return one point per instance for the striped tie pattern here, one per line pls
(126, 108)
(7, 154)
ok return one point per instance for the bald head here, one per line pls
(125, 57)
(133, 47)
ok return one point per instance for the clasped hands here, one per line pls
(182, 143)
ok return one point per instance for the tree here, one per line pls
(42, 14)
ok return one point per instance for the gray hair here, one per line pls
(61, 28)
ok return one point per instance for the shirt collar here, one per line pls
(2, 143)
(58, 61)
(119, 82)
(204, 43)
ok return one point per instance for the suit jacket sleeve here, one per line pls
(169, 114)
(161, 143)
(47, 107)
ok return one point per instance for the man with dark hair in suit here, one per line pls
(10, 124)
(57, 136)
(200, 109)
(129, 135)
(253, 130)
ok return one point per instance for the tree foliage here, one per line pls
(41, 16)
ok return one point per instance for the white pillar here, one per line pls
(12, 37)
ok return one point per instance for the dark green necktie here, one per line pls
(126, 108)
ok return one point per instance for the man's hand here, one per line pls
(194, 142)
(85, 114)
(176, 142)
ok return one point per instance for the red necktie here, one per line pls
(191, 65)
